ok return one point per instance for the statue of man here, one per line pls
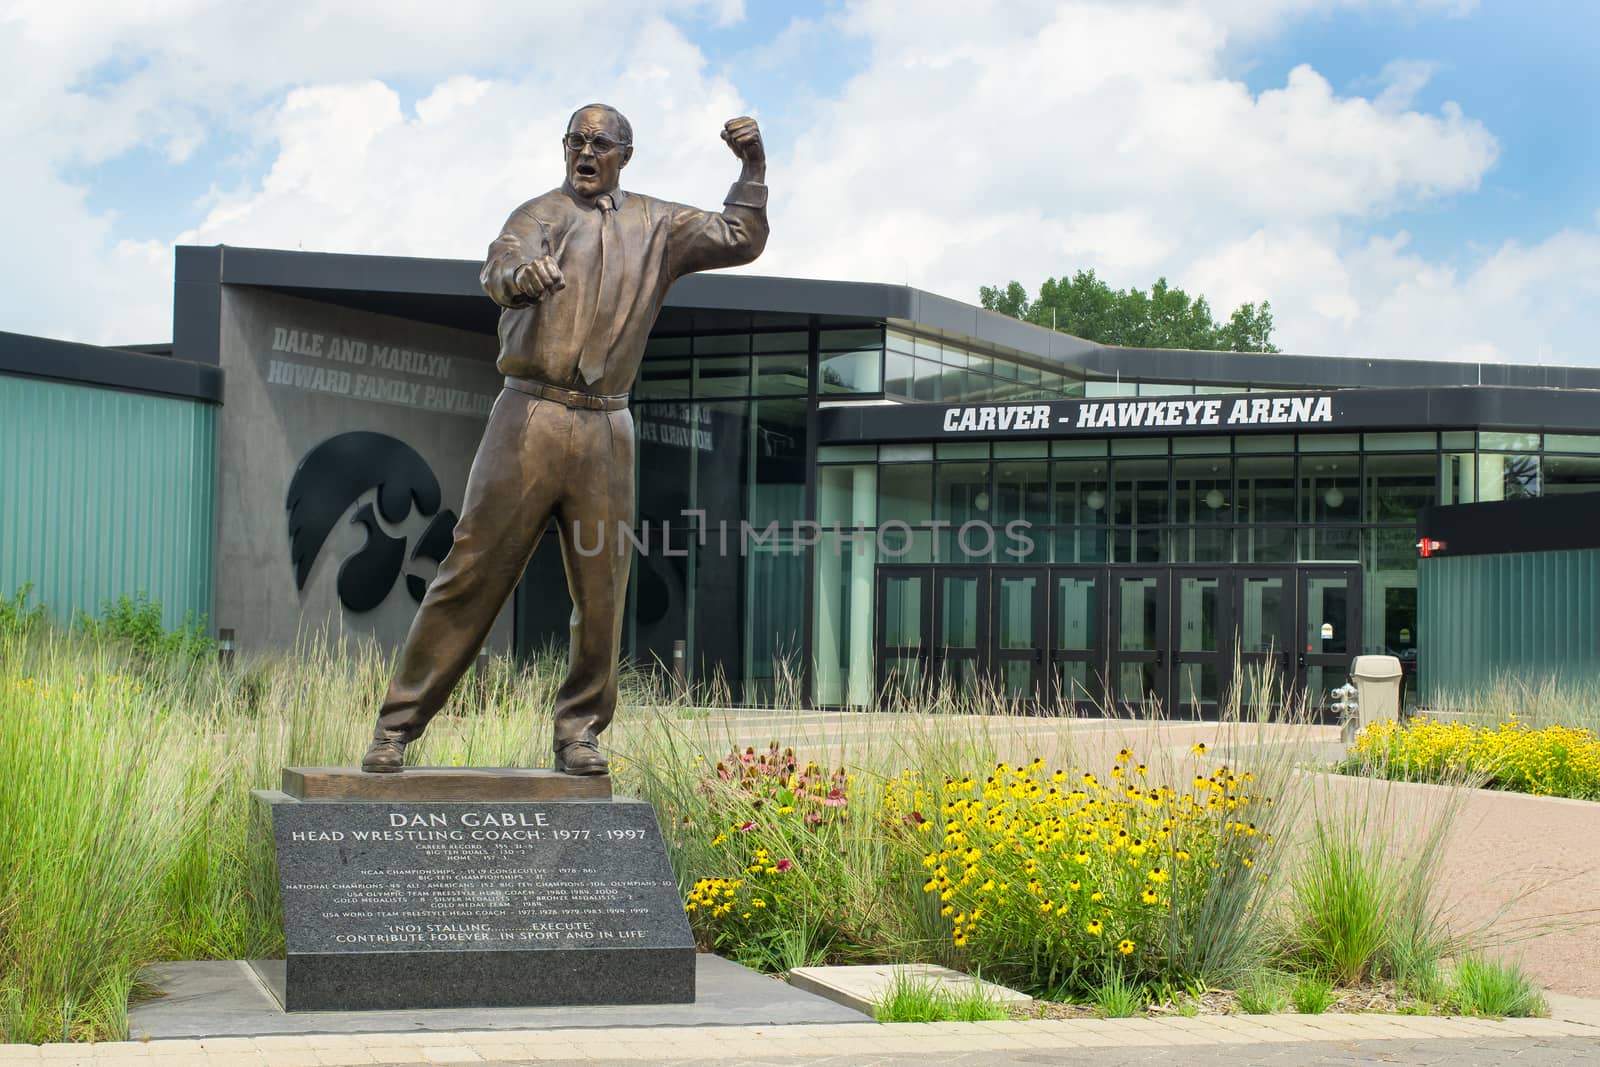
(580, 273)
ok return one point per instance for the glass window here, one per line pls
(904, 453)
(1389, 600)
(1004, 368)
(860, 371)
(1142, 545)
(1458, 440)
(1400, 486)
(846, 453)
(1572, 442)
(1510, 442)
(722, 376)
(1080, 491)
(1098, 387)
(1266, 489)
(1330, 442)
(953, 385)
(661, 379)
(1203, 490)
(1139, 494)
(723, 440)
(843, 340)
(665, 456)
(1266, 544)
(1263, 443)
(779, 490)
(905, 493)
(963, 450)
(1571, 474)
(928, 377)
(1139, 446)
(785, 341)
(666, 346)
(781, 375)
(1081, 544)
(1020, 449)
(1400, 442)
(900, 342)
(898, 371)
(1202, 446)
(1202, 544)
(721, 344)
(1094, 446)
(962, 492)
(1458, 478)
(1507, 476)
(1330, 487)
(1330, 543)
(1022, 491)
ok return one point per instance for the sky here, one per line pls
(1416, 178)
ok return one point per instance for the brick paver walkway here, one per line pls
(1225, 1041)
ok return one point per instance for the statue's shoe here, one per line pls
(581, 757)
(386, 755)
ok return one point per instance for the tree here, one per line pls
(1164, 317)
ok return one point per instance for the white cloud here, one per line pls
(978, 144)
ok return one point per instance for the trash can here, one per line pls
(1377, 682)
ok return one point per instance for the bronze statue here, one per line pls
(581, 273)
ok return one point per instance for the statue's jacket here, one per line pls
(617, 266)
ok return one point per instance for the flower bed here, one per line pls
(1050, 880)
(1559, 761)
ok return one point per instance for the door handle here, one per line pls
(1038, 655)
(1301, 661)
(1161, 657)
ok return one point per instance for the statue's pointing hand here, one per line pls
(744, 137)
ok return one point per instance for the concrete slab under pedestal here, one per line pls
(229, 999)
(862, 987)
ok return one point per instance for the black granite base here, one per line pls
(372, 981)
(390, 904)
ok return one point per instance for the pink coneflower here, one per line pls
(784, 865)
(835, 799)
(747, 826)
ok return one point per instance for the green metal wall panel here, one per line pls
(105, 493)
(1530, 614)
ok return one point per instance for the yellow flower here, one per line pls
(1149, 896)
(1125, 947)
(1094, 927)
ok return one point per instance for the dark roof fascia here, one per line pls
(1563, 522)
(308, 272)
(108, 368)
(1465, 407)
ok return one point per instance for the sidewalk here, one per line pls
(1218, 1040)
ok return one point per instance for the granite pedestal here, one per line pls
(457, 888)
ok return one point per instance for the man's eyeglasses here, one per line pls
(601, 144)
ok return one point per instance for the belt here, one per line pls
(569, 397)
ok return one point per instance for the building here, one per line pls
(842, 486)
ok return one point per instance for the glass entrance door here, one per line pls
(1201, 642)
(1264, 621)
(1076, 679)
(1137, 671)
(1329, 617)
(1019, 633)
(905, 630)
(961, 627)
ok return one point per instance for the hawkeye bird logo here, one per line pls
(335, 475)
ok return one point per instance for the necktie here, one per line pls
(592, 364)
